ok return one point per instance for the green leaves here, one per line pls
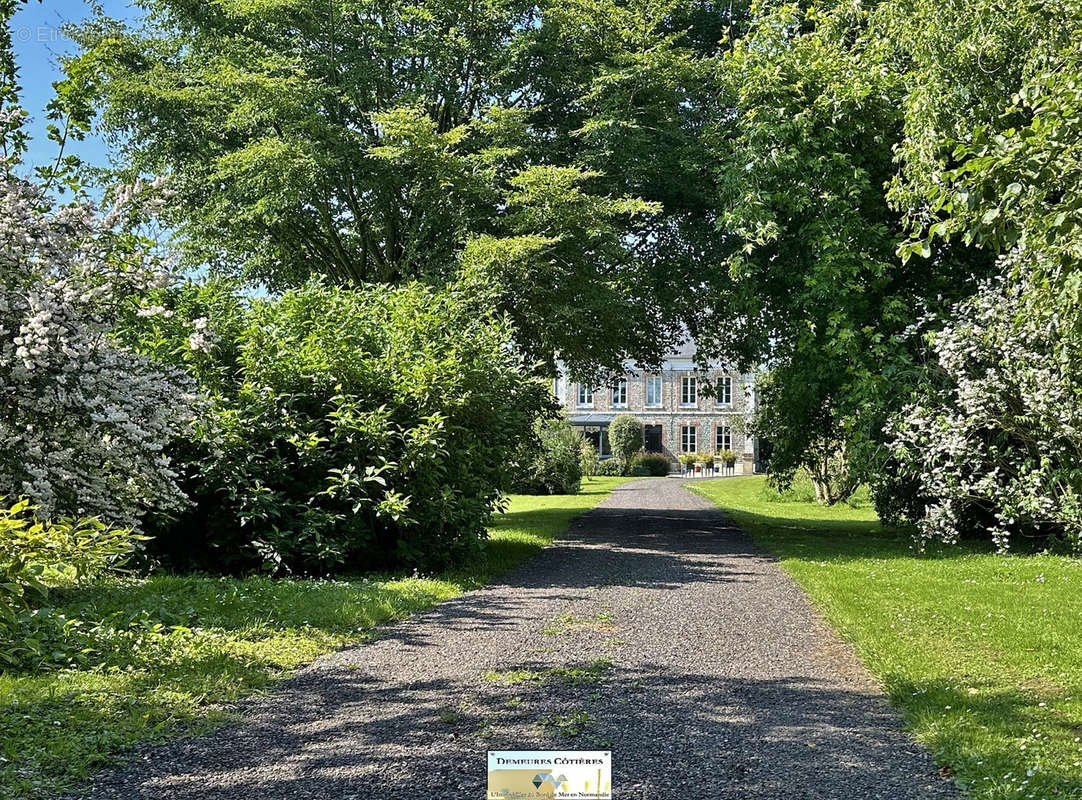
(36, 555)
(372, 142)
(356, 429)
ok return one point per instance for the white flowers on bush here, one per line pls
(83, 421)
(996, 437)
(202, 339)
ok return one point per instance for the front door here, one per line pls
(652, 434)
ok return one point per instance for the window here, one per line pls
(599, 438)
(653, 391)
(586, 395)
(619, 393)
(689, 391)
(687, 438)
(725, 391)
(725, 438)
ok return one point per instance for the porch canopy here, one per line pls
(595, 429)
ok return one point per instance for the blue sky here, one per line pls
(39, 43)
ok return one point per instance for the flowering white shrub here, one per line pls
(83, 420)
(995, 437)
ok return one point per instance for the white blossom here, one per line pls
(84, 422)
(998, 438)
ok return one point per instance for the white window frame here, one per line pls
(689, 439)
(653, 380)
(619, 394)
(723, 438)
(725, 391)
(585, 396)
(689, 382)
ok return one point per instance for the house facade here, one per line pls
(683, 409)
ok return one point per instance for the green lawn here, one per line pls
(169, 648)
(981, 652)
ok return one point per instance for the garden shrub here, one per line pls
(625, 437)
(353, 429)
(611, 467)
(84, 420)
(550, 462)
(990, 443)
(36, 556)
(588, 458)
(654, 464)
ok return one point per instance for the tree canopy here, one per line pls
(553, 148)
(820, 189)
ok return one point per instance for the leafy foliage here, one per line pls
(817, 289)
(612, 467)
(995, 438)
(653, 463)
(551, 461)
(385, 142)
(625, 437)
(588, 458)
(872, 185)
(84, 420)
(352, 428)
(36, 555)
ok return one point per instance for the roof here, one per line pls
(685, 349)
(591, 419)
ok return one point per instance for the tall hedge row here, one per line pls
(351, 429)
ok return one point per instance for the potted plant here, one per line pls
(688, 460)
(706, 461)
(728, 458)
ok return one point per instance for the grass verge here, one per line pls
(981, 652)
(172, 649)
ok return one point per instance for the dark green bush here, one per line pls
(611, 467)
(352, 429)
(549, 463)
(657, 465)
(625, 437)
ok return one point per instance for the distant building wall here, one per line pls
(705, 417)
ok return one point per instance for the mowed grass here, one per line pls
(981, 652)
(173, 649)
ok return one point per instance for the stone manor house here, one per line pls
(677, 413)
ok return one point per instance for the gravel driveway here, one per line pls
(654, 629)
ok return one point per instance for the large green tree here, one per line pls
(871, 181)
(555, 144)
(817, 292)
(352, 139)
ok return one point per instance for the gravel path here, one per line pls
(654, 629)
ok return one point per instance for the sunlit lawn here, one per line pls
(173, 647)
(982, 653)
